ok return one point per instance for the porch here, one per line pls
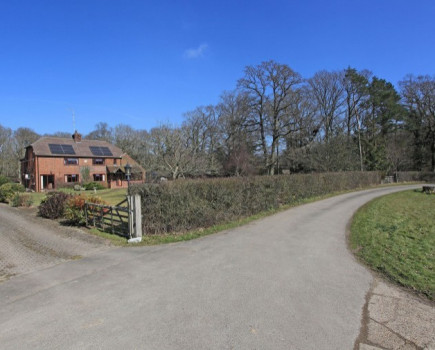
(116, 177)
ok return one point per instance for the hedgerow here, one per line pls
(179, 206)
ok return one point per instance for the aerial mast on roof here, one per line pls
(73, 119)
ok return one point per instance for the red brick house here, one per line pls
(53, 162)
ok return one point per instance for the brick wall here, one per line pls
(55, 166)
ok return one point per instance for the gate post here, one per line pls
(138, 216)
(134, 219)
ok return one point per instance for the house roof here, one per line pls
(115, 168)
(81, 149)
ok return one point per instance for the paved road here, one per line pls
(284, 282)
(28, 243)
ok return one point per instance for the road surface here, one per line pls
(284, 282)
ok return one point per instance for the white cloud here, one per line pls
(195, 53)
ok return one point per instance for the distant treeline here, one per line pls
(276, 121)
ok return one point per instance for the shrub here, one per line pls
(427, 177)
(8, 190)
(182, 205)
(53, 205)
(74, 211)
(85, 172)
(21, 200)
(92, 185)
(3, 180)
(66, 186)
(75, 208)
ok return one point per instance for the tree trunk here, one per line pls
(432, 148)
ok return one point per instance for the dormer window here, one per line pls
(98, 161)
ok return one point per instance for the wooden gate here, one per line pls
(113, 218)
(121, 219)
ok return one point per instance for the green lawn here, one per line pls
(395, 235)
(112, 197)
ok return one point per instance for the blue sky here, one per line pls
(143, 63)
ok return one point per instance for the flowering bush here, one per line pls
(75, 208)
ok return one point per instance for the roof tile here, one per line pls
(81, 149)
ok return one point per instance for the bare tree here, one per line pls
(62, 134)
(356, 95)
(327, 90)
(173, 153)
(102, 132)
(6, 151)
(134, 142)
(22, 137)
(306, 128)
(237, 144)
(201, 128)
(270, 86)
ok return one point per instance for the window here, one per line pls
(115, 161)
(72, 178)
(98, 177)
(98, 161)
(71, 161)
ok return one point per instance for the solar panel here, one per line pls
(95, 150)
(106, 151)
(68, 149)
(56, 148)
(100, 151)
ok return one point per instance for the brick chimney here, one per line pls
(77, 137)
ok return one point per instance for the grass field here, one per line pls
(112, 197)
(395, 235)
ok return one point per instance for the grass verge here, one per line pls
(395, 235)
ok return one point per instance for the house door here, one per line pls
(47, 182)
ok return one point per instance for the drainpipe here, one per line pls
(37, 177)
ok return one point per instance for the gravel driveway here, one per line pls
(29, 243)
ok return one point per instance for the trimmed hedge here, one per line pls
(407, 176)
(91, 185)
(182, 205)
